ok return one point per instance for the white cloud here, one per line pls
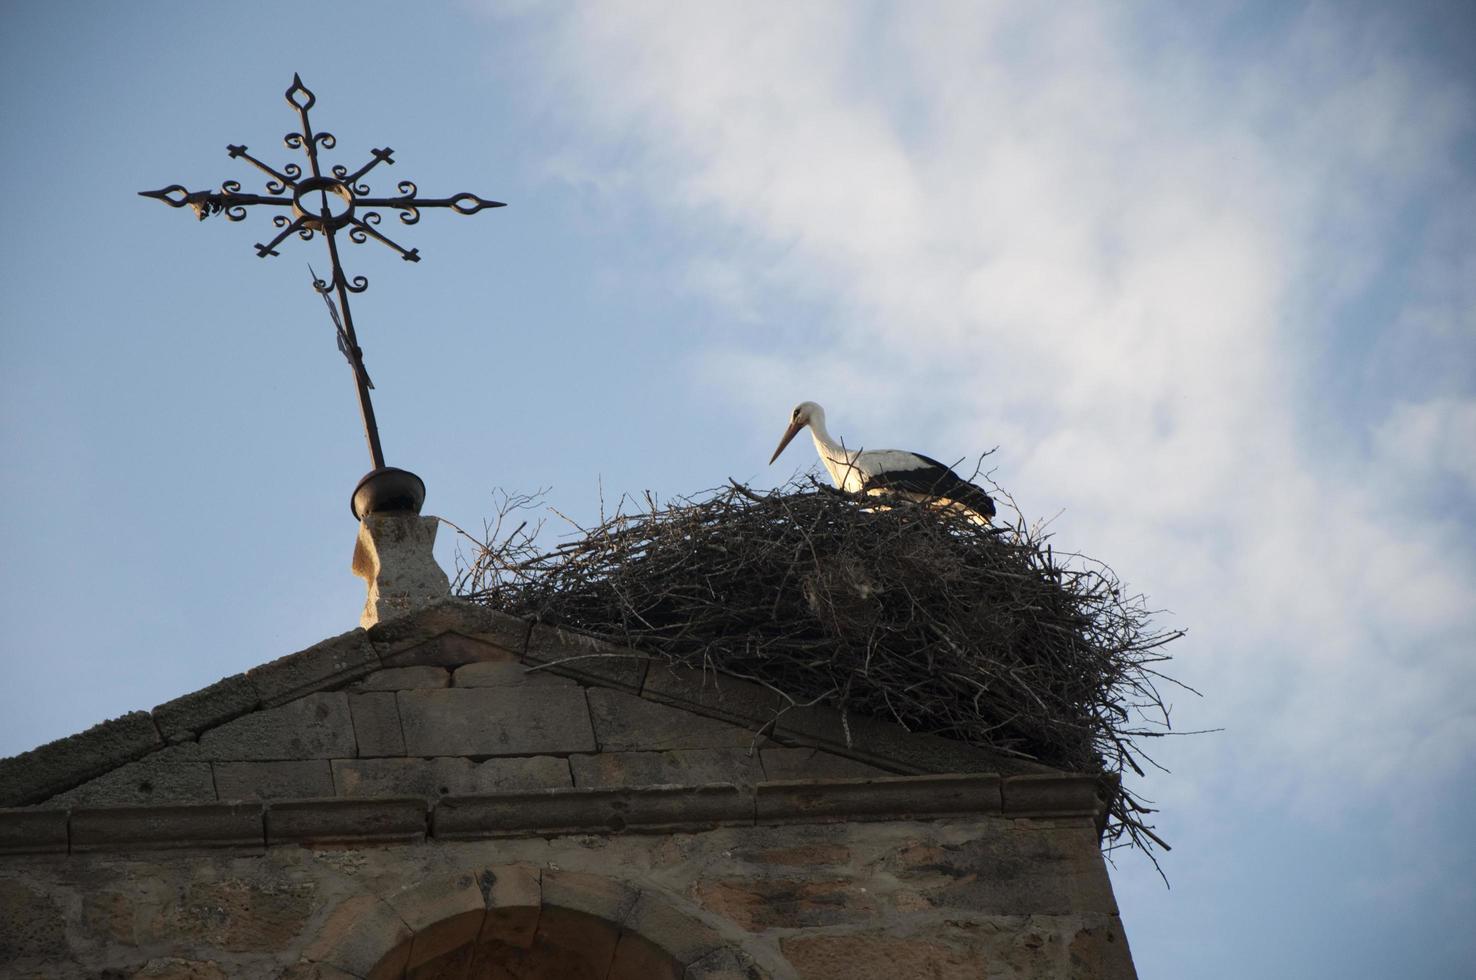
(1119, 265)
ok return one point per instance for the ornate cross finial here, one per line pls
(320, 204)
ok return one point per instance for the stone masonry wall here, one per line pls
(947, 900)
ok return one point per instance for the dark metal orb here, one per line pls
(388, 490)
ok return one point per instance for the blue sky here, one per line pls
(1204, 274)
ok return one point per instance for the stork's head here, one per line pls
(804, 413)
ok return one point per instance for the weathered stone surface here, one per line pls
(506, 674)
(803, 762)
(586, 657)
(624, 722)
(173, 968)
(201, 825)
(583, 810)
(637, 956)
(495, 721)
(227, 698)
(450, 615)
(678, 934)
(744, 702)
(1101, 953)
(283, 780)
(878, 956)
(1010, 870)
(358, 934)
(679, 767)
(56, 766)
(722, 964)
(444, 913)
(33, 832)
(1058, 795)
(377, 724)
(514, 895)
(892, 746)
(331, 663)
(31, 924)
(450, 650)
(756, 904)
(885, 797)
(597, 895)
(339, 821)
(393, 555)
(403, 679)
(434, 778)
(316, 971)
(317, 726)
(175, 774)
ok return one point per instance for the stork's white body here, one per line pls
(886, 471)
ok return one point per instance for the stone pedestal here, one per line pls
(393, 555)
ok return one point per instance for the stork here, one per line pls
(882, 471)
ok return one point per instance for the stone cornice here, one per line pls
(650, 809)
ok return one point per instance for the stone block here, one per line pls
(637, 956)
(1052, 796)
(317, 726)
(394, 556)
(283, 780)
(601, 897)
(724, 964)
(586, 657)
(33, 831)
(495, 721)
(514, 896)
(804, 762)
(345, 821)
(883, 956)
(376, 724)
(451, 650)
(402, 679)
(32, 924)
(137, 828)
(889, 745)
(449, 615)
(444, 913)
(680, 935)
(1100, 952)
(758, 904)
(679, 767)
(315, 971)
(175, 774)
(57, 766)
(1008, 868)
(186, 716)
(506, 674)
(434, 778)
(883, 798)
(174, 968)
(654, 808)
(624, 722)
(357, 935)
(331, 663)
(744, 702)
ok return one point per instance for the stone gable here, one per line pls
(458, 700)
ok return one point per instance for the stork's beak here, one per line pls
(789, 434)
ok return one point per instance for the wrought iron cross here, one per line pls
(324, 205)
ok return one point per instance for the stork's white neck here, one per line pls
(838, 460)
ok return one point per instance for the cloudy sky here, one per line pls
(1205, 275)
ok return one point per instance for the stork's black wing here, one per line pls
(931, 478)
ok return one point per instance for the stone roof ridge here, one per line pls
(392, 710)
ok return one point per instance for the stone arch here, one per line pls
(534, 923)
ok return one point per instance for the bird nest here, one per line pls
(903, 612)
